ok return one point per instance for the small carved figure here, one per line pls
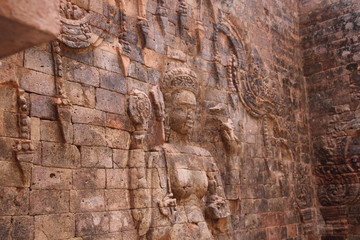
(183, 12)
(161, 12)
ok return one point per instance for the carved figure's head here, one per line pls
(180, 87)
(352, 152)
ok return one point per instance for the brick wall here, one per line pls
(330, 46)
(73, 181)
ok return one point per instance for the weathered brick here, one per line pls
(38, 60)
(37, 82)
(91, 223)
(22, 228)
(55, 226)
(8, 72)
(13, 174)
(49, 201)
(89, 135)
(106, 60)
(130, 235)
(154, 76)
(216, 95)
(96, 6)
(87, 200)
(88, 116)
(137, 158)
(9, 124)
(119, 122)
(51, 178)
(140, 201)
(112, 199)
(8, 98)
(35, 128)
(113, 81)
(81, 73)
(109, 236)
(116, 138)
(5, 228)
(138, 71)
(89, 178)
(79, 94)
(14, 201)
(110, 101)
(120, 158)
(84, 55)
(82, 3)
(252, 221)
(136, 84)
(19, 227)
(117, 178)
(42, 107)
(121, 220)
(50, 131)
(97, 157)
(60, 155)
(6, 146)
(292, 231)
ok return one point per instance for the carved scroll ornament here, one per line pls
(75, 29)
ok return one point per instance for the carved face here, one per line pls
(353, 153)
(182, 114)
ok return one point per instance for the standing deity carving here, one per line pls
(182, 188)
(194, 201)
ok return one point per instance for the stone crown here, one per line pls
(180, 78)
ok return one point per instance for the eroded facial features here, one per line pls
(182, 115)
(353, 153)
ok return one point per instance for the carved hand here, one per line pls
(216, 207)
(168, 201)
(229, 138)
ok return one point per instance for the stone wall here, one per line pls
(86, 146)
(331, 53)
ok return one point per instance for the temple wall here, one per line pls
(330, 47)
(73, 161)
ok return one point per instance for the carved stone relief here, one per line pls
(337, 175)
(192, 198)
(170, 177)
(140, 173)
(63, 105)
(24, 149)
(75, 28)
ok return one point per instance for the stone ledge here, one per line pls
(27, 23)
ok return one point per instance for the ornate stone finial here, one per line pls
(180, 78)
(139, 110)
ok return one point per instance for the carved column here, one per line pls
(139, 110)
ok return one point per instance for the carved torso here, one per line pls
(187, 172)
(187, 166)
